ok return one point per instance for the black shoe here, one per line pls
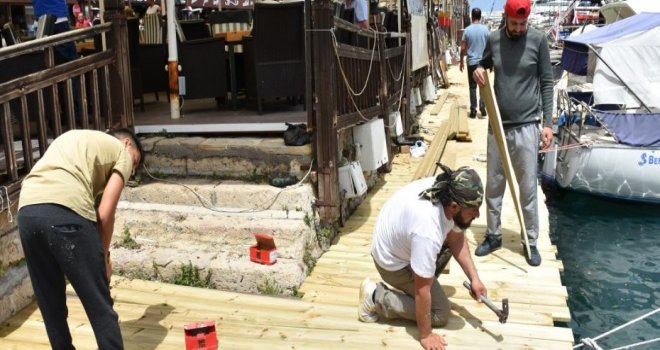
(473, 115)
(489, 245)
(535, 260)
(483, 112)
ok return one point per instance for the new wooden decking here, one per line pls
(153, 314)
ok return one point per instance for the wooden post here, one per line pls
(326, 112)
(309, 101)
(383, 97)
(121, 94)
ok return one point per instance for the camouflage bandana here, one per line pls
(462, 186)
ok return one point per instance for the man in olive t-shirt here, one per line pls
(64, 234)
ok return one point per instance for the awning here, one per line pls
(576, 53)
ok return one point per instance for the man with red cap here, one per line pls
(523, 86)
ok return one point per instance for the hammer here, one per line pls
(502, 314)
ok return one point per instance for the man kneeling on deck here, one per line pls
(419, 225)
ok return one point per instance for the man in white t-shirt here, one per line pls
(409, 236)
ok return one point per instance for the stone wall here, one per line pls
(15, 286)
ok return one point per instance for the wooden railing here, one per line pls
(353, 83)
(40, 99)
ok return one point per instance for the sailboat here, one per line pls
(608, 138)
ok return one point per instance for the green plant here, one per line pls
(269, 287)
(189, 275)
(127, 241)
(309, 261)
(307, 220)
(297, 293)
(164, 133)
(326, 233)
(255, 177)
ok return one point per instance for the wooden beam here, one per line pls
(498, 132)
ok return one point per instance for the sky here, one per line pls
(485, 5)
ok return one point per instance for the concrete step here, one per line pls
(228, 270)
(223, 193)
(161, 227)
(194, 227)
(225, 157)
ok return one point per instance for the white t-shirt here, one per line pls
(153, 9)
(410, 231)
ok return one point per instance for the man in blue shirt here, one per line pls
(361, 12)
(473, 44)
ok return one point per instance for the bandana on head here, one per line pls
(463, 186)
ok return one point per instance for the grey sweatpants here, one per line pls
(523, 145)
(400, 304)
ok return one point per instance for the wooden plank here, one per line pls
(498, 132)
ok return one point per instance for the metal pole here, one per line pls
(172, 62)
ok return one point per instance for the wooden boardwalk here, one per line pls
(153, 314)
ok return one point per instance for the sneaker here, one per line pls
(473, 114)
(483, 112)
(535, 260)
(367, 307)
(489, 245)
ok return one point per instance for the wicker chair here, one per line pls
(275, 54)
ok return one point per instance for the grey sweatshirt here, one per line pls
(523, 76)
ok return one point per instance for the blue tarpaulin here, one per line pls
(634, 129)
(576, 53)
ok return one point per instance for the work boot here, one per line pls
(473, 114)
(535, 259)
(489, 245)
(367, 306)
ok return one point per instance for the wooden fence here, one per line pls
(40, 99)
(355, 81)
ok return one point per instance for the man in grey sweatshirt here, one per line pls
(523, 87)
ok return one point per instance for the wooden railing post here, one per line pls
(383, 97)
(326, 111)
(121, 94)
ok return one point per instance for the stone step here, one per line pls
(191, 228)
(228, 270)
(225, 157)
(223, 193)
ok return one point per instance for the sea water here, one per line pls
(611, 255)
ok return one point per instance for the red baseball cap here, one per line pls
(519, 9)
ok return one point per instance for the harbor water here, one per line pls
(611, 262)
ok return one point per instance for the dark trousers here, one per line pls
(57, 242)
(473, 92)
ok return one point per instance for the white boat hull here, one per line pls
(606, 169)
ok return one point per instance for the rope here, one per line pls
(637, 344)
(208, 205)
(341, 68)
(568, 146)
(590, 343)
(618, 328)
(10, 217)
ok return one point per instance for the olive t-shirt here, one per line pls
(75, 170)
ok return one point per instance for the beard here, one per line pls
(515, 36)
(460, 222)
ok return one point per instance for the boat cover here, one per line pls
(633, 129)
(575, 55)
(622, 75)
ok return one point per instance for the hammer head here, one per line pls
(504, 314)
